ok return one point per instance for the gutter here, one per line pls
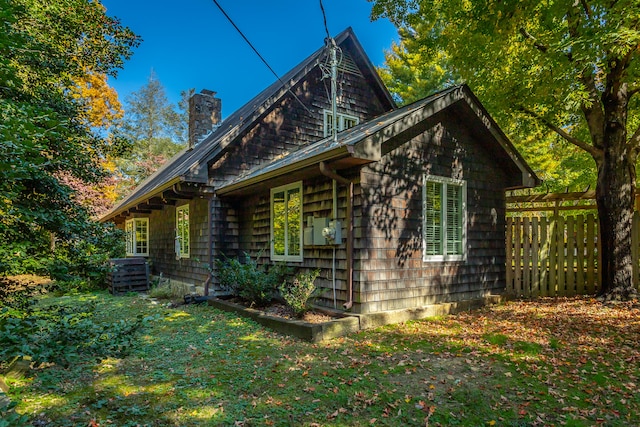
(349, 218)
(333, 154)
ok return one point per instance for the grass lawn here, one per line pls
(566, 362)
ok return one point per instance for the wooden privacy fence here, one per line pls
(556, 255)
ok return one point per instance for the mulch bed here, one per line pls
(278, 309)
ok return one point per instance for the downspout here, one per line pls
(210, 249)
(349, 218)
(334, 204)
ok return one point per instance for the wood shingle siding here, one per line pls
(162, 255)
(391, 272)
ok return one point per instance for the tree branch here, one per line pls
(593, 112)
(541, 47)
(586, 8)
(595, 152)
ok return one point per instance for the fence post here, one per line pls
(509, 257)
(526, 256)
(591, 259)
(553, 259)
(535, 259)
(571, 246)
(561, 289)
(580, 276)
(544, 256)
(517, 277)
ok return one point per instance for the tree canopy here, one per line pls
(570, 68)
(46, 50)
(156, 131)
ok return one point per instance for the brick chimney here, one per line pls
(205, 112)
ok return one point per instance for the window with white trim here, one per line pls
(444, 219)
(137, 236)
(286, 222)
(344, 121)
(182, 232)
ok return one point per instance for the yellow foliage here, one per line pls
(101, 102)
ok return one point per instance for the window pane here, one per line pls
(328, 124)
(348, 123)
(179, 215)
(141, 237)
(182, 230)
(293, 221)
(433, 219)
(454, 220)
(279, 219)
(185, 231)
(129, 236)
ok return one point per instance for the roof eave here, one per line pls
(340, 152)
(140, 199)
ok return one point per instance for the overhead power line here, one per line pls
(324, 17)
(257, 53)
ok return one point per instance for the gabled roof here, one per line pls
(191, 164)
(363, 143)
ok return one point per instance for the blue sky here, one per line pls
(192, 45)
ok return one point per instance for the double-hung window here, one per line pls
(286, 222)
(182, 232)
(137, 236)
(444, 219)
(343, 121)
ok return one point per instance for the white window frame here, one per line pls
(444, 256)
(183, 231)
(286, 256)
(133, 241)
(340, 122)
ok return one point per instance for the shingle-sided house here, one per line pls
(405, 208)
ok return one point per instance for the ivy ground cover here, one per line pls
(552, 362)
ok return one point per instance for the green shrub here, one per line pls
(82, 263)
(250, 281)
(78, 262)
(61, 334)
(24, 257)
(299, 291)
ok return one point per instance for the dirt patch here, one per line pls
(23, 284)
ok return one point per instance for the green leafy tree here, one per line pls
(412, 71)
(156, 131)
(45, 49)
(570, 67)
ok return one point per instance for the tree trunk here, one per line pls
(615, 196)
(615, 199)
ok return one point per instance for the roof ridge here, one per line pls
(191, 163)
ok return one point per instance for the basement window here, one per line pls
(344, 122)
(137, 236)
(182, 232)
(444, 219)
(286, 222)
